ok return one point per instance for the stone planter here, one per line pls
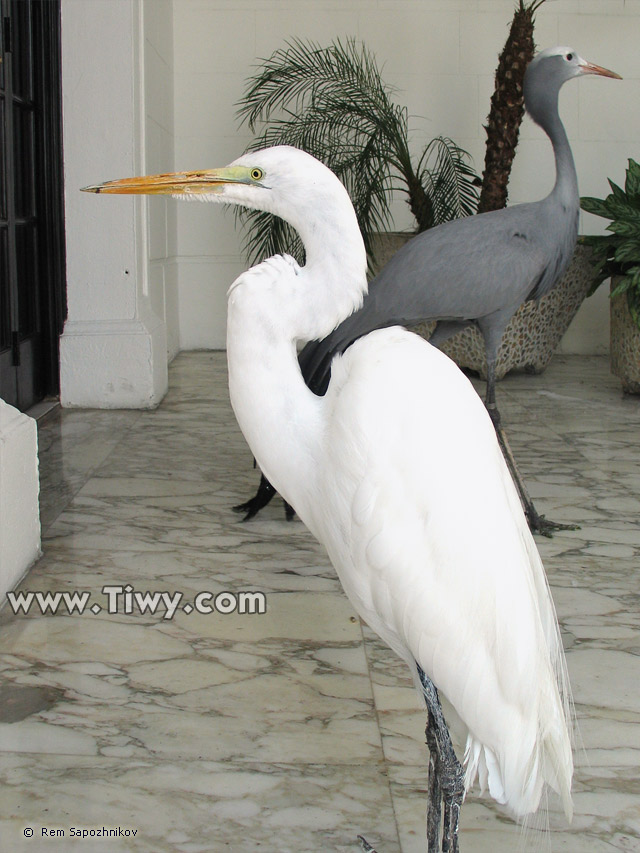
(625, 344)
(535, 330)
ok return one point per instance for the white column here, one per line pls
(113, 351)
(19, 489)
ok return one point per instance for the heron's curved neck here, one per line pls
(333, 282)
(271, 308)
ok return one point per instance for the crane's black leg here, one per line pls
(446, 776)
(537, 523)
(492, 334)
(258, 501)
(261, 498)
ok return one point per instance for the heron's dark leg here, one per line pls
(537, 523)
(434, 807)
(446, 776)
(261, 498)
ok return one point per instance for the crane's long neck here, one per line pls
(566, 186)
(271, 308)
(545, 113)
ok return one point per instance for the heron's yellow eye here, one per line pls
(256, 174)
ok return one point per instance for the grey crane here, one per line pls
(479, 269)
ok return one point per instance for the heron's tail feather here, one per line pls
(558, 735)
(517, 779)
(481, 763)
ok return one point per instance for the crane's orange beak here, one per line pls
(590, 68)
(201, 182)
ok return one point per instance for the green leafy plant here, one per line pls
(618, 253)
(333, 103)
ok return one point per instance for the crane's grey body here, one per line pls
(481, 268)
(447, 274)
(474, 270)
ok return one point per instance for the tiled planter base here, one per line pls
(625, 345)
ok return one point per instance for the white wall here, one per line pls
(113, 352)
(159, 157)
(441, 55)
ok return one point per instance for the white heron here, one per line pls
(398, 472)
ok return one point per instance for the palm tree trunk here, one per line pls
(507, 107)
(420, 203)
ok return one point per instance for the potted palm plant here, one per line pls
(332, 102)
(617, 256)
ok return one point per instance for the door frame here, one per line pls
(53, 293)
(40, 354)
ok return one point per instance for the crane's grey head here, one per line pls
(547, 72)
(281, 180)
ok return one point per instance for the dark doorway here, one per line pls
(32, 284)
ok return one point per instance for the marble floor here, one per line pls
(294, 730)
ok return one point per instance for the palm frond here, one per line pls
(266, 235)
(333, 103)
(302, 74)
(449, 180)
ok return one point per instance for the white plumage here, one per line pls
(397, 471)
(438, 559)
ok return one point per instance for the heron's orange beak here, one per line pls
(204, 181)
(590, 68)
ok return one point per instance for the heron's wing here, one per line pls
(438, 557)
